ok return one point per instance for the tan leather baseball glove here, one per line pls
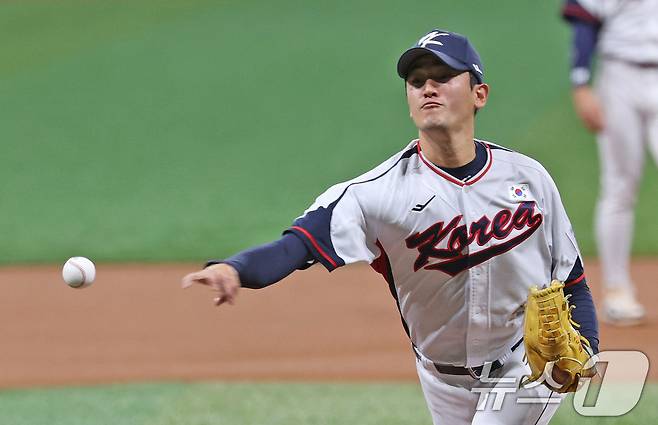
(551, 338)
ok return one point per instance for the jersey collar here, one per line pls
(476, 177)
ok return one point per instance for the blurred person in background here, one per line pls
(621, 108)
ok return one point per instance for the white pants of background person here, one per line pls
(459, 399)
(629, 98)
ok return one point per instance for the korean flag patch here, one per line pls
(520, 192)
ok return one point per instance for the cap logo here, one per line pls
(477, 68)
(429, 39)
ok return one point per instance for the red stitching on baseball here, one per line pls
(84, 276)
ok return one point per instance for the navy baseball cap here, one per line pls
(452, 48)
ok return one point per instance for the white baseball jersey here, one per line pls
(630, 28)
(459, 256)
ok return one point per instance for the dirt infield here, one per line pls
(135, 323)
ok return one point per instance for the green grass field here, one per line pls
(253, 404)
(178, 130)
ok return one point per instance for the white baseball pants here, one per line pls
(629, 98)
(462, 399)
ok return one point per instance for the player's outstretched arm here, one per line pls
(222, 278)
(253, 268)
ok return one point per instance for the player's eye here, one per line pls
(439, 77)
(417, 82)
(444, 77)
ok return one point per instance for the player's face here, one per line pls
(441, 97)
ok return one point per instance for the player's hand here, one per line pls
(222, 278)
(588, 108)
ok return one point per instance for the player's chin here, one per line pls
(432, 123)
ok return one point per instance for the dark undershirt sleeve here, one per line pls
(266, 264)
(585, 32)
(585, 35)
(584, 312)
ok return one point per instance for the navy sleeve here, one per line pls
(584, 312)
(585, 31)
(266, 264)
(314, 228)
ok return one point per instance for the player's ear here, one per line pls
(406, 95)
(480, 95)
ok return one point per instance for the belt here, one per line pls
(648, 64)
(474, 372)
(645, 64)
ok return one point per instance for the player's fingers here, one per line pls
(592, 121)
(230, 297)
(219, 287)
(221, 300)
(598, 122)
(204, 277)
(232, 289)
(592, 118)
(226, 294)
(192, 278)
(588, 108)
(219, 279)
(226, 286)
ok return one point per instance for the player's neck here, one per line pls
(445, 150)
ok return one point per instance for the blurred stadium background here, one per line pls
(173, 131)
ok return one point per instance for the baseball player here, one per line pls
(623, 112)
(459, 227)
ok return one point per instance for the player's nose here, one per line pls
(430, 88)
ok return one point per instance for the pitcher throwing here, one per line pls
(460, 229)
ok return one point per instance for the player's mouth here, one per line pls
(430, 105)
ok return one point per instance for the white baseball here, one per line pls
(79, 272)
